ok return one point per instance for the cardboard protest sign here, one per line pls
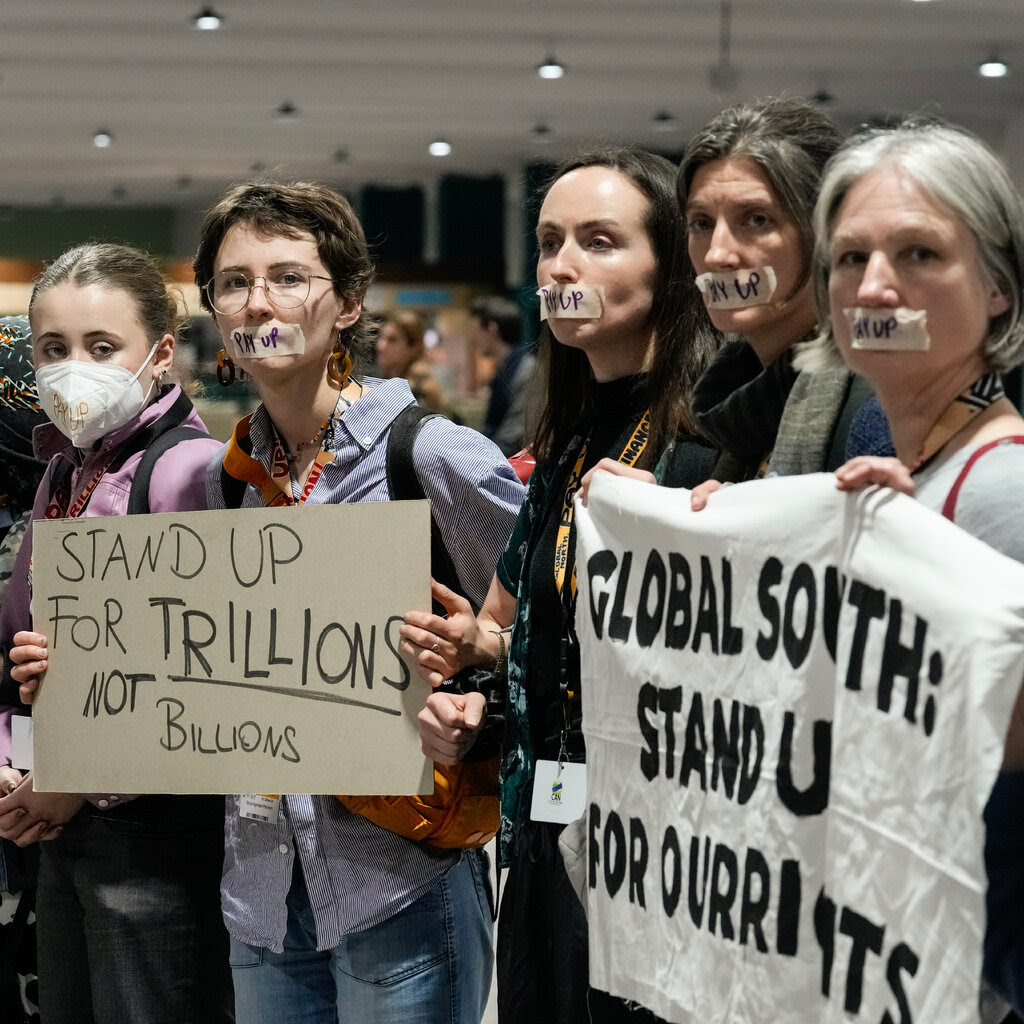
(794, 704)
(251, 651)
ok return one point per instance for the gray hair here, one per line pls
(958, 172)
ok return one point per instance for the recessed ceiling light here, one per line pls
(207, 20)
(663, 121)
(439, 147)
(993, 68)
(102, 139)
(550, 67)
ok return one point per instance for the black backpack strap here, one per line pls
(144, 440)
(174, 417)
(138, 498)
(404, 484)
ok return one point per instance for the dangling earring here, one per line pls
(339, 366)
(225, 369)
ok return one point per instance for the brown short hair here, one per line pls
(272, 208)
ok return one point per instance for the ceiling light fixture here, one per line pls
(439, 147)
(103, 139)
(287, 112)
(723, 76)
(993, 68)
(663, 121)
(551, 67)
(207, 20)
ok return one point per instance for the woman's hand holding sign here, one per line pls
(29, 655)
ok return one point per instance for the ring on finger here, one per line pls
(436, 647)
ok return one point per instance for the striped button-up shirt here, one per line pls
(357, 874)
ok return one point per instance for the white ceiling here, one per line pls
(381, 78)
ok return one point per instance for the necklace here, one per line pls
(323, 436)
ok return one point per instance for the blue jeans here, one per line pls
(429, 964)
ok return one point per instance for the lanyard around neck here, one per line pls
(985, 391)
(630, 454)
(275, 486)
(58, 506)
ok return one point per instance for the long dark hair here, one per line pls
(679, 354)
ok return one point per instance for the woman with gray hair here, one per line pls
(920, 258)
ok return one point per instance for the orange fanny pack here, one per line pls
(461, 813)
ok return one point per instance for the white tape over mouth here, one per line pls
(270, 339)
(571, 302)
(888, 330)
(737, 289)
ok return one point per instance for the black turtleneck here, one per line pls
(738, 404)
(618, 408)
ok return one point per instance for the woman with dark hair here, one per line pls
(618, 355)
(331, 916)
(129, 921)
(747, 187)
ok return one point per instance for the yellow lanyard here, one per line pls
(630, 454)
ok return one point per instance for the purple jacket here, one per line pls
(178, 485)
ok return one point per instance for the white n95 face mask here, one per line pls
(87, 400)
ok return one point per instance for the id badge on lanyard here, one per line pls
(560, 787)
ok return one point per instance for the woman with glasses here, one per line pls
(332, 917)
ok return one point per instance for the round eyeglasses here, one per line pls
(286, 287)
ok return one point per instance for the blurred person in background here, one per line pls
(401, 352)
(20, 473)
(498, 336)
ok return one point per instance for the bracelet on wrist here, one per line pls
(501, 661)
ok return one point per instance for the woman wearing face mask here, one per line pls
(921, 229)
(129, 923)
(618, 355)
(332, 917)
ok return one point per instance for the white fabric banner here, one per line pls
(794, 703)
